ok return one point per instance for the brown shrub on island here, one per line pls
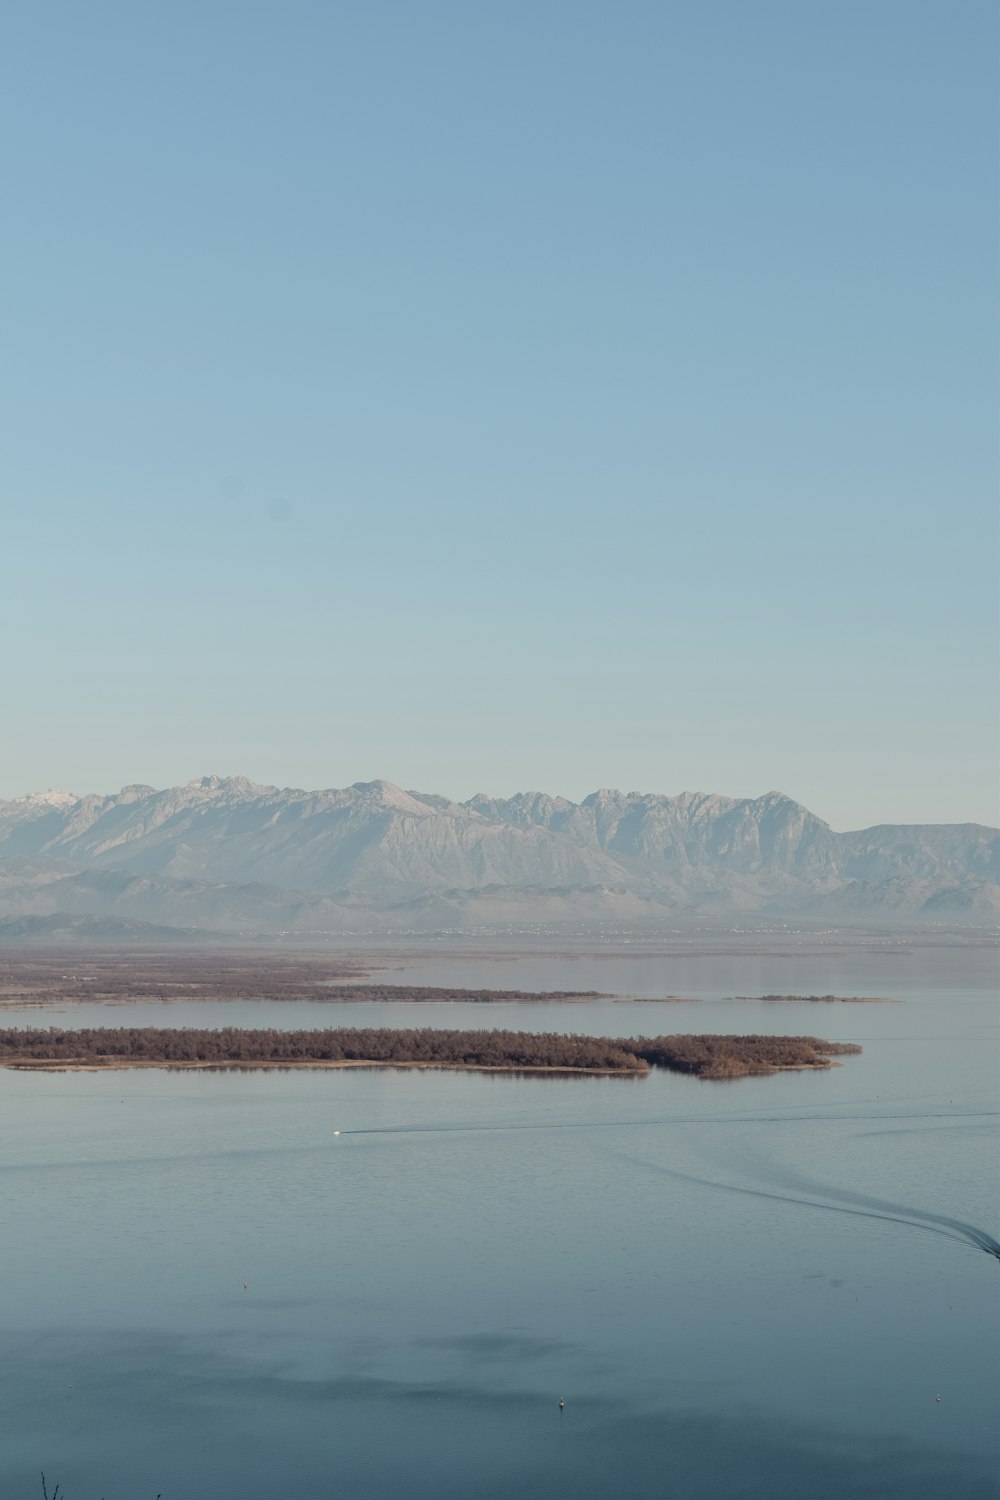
(737, 1056)
(122, 1046)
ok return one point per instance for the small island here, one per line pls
(821, 999)
(707, 1057)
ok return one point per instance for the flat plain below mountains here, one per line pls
(225, 858)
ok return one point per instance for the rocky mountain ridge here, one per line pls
(225, 853)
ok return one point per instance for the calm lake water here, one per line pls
(424, 1287)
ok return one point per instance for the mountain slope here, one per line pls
(228, 853)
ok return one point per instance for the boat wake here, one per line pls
(809, 1194)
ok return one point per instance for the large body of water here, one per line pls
(423, 1288)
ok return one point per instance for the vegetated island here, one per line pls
(822, 999)
(710, 1057)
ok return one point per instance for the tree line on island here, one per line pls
(711, 1057)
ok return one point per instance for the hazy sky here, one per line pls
(501, 395)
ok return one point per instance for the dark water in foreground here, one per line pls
(423, 1287)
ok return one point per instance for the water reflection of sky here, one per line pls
(422, 1288)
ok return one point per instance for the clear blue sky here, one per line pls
(503, 395)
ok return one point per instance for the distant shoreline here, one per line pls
(69, 1065)
(32, 980)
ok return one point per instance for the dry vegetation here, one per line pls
(737, 1056)
(57, 1493)
(715, 1057)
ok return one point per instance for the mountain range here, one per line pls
(226, 856)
